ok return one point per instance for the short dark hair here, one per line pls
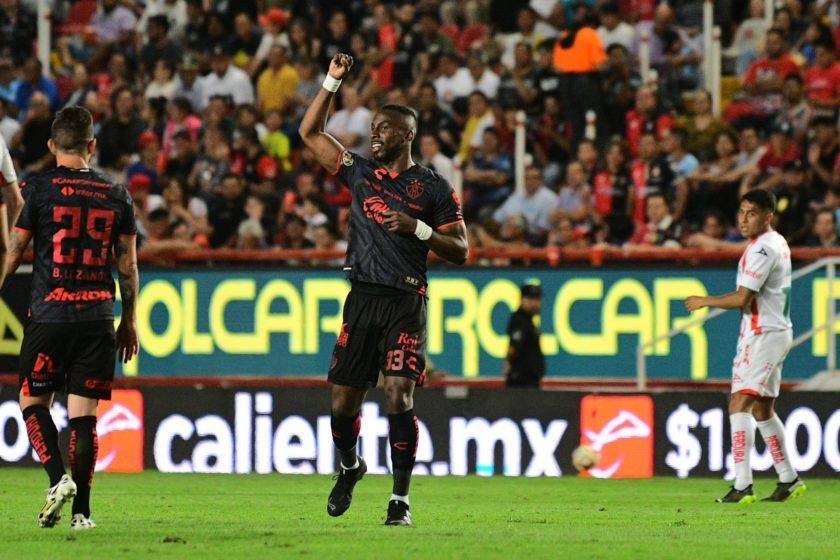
(765, 200)
(161, 21)
(72, 129)
(401, 109)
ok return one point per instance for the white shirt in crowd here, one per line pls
(622, 34)
(156, 89)
(356, 121)
(765, 268)
(445, 168)
(535, 209)
(175, 12)
(234, 83)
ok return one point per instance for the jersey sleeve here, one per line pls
(756, 267)
(447, 210)
(348, 165)
(7, 167)
(128, 224)
(29, 214)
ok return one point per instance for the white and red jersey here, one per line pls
(765, 269)
(7, 168)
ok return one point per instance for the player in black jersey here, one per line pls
(400, 210)
(80, 222)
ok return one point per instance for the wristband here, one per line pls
(331, 84)
(422, 230)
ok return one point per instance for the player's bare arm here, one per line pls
(14, 202)
(325, 147)
(18, 242)
(739, 299)
(449, 242)
(129, 278)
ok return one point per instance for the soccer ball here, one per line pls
(585, 457)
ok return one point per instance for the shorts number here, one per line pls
(97, 228)
(786, 312)
(394, 360)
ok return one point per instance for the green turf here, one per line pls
(271, 516)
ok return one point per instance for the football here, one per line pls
(585, 457)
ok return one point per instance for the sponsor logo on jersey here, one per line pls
(414, 189)
(61, 295)
(44, 368)
(343, 336)
(761, 251)
(347, 158)
(120, 431)
(620, 428)
(373, 207)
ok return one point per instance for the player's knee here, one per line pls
(397, 399)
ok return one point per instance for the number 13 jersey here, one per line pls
(76, 217)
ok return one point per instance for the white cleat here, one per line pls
(81, 523)
(57, 496)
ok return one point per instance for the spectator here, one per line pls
(619, 85)
(432, 158)
(702, 128)
(275, 142)
(277, 83)
(551, 140)
(29, 145)
(565, 234)
(225, 79)
(159, 46)
(715, 183)
(534, 203)
(33, 80)
(824, 232)
(9, 127)
(614, 31)
(180, 117)
(196, 35)
(574, 198)
(611, 189)
(480, 118)
(530, 31)
(518, 87)
(797, 111)
(337, 37)
(8, 83)
(245, 41)
(793, 218)
(81, 86)
(293, 234)
(175, 11)
(488, 177)
(483, 79)
(646, 117)
(117, 139)
(251, 234)
(187, 84)
(226, 210)
(434, 120)
(747, 44)
(326, 238)
(18, 30)
(250, 160)
(192, 210)
(351, 124)
(823, 152)
(309, 82)
(661, 230)
(822, 79)
(663, 36)
(650, 174)
(163, 83)
(715, 234)
(183, 157)
(147, 165)
(781, 150)
(454, 80)
(683, 164)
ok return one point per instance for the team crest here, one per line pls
(347, 158)
(414, 189)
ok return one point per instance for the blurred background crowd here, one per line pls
(197, 104)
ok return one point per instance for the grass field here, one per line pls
(156, 516)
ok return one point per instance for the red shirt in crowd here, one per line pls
(638, 123)
(772, 162)
(823, 84)
(767, 68)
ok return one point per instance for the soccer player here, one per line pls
(763, 296)
(11, 201)
(400, 210)
(77, 218)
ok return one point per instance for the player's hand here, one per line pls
(340, 66)
(126, 338)
(693, 303)
(399, 222)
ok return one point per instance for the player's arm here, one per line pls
(14, 245)
(740, 298)
(14, 202)
(448, 242)
(325, 147)
(129, 278)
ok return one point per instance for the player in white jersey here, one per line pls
(11, 201)
(763, 296)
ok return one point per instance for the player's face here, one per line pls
(389, 137)
(752, 220)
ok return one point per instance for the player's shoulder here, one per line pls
(354, 160)
(770, 244)
(434, 179)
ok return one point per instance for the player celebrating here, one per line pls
(763, 295)
(399, 211)
(77, 218)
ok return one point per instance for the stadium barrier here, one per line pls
(283, 322)
(484, 432)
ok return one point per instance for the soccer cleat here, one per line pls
(786, 490)
(342, 492)
(398, 513)
(81, 523)
(745, 496)
(57, 496)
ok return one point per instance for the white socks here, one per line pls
(773, 432)
(353, 466)
(743, 438)
(403, 499)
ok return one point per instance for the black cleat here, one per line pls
(342, 492)
(745, 496)
(398, 513)
(786, 490)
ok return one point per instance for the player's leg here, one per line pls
(402, 435)
(41, 374)
(773, 431)
(742, 431)
(82, 452)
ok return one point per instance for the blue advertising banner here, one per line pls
(284, 322)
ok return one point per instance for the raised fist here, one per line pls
(340, 65)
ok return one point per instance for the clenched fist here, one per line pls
(340, 65)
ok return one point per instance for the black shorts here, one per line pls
(74, 358)
(383, 329)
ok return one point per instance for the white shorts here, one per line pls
(757, 368)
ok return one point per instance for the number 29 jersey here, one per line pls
(76, 217)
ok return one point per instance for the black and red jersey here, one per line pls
(76, 217)
(376, 255)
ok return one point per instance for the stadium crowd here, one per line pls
(197, 105)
